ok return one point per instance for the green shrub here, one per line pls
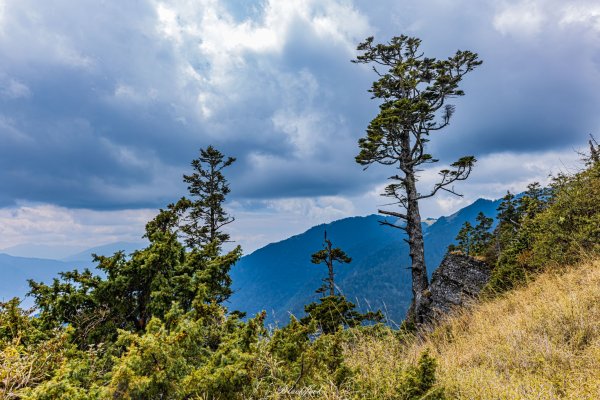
(556, 232)
(418, 382)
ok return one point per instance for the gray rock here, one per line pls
(458, 279)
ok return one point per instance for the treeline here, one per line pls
(544, 226)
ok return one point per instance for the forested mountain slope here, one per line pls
(280, 278)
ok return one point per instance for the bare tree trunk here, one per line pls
(420, 282)
(330, 267)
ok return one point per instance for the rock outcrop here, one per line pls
(457, 279)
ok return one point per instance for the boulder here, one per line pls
(458, 279)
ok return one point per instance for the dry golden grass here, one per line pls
(538, 342)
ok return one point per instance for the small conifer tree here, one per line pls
(474, 240)
(329, 255)
(334, 310)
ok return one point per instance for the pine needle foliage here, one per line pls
(414, 91)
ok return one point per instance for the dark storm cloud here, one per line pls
(534, 91)
(104, 105)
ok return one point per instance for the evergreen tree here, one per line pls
(482, 235)
(329, 255)
(534, 200)
(414, 91)
(131, 291)
(508, 211)
(473, 240)
(463, 239)
(509, 220)
(148, 284)
(208, 188)
(334, 310)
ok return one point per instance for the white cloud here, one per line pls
(214, 49)
(492, 176)
(168, 24)
(9, 133)
(520, 18)
(275, 220)
(2, 15)
(27, 35)
(268, 221)
(128, 93)
(12, 88)
(528, 18)
(496, 173)
(581, 13)
(45, 224)
(318, 210)
(273, 86)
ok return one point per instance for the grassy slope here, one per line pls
(538, 342)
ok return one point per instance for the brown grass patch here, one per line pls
(537, 342)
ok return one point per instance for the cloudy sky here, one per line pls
(103, 104)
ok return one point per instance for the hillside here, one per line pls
(280, 278)
(535, 333)
(537, 342)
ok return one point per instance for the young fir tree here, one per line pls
(534, 200)
(201, 219)
(208, 188)
(463, 239)
(334, 310)
(414, 91)
(328, 256)
(474, 240)
(482, 235)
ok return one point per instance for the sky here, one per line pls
(103, 105)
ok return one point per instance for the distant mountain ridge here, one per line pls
(50, 252)
(111, 248)
(15, 271)
(280, 278)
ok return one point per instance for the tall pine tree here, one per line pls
(414, 91)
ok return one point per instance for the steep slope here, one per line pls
(280, 279)
(541, 341)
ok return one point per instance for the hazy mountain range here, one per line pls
(280, 278)
(15, 271)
